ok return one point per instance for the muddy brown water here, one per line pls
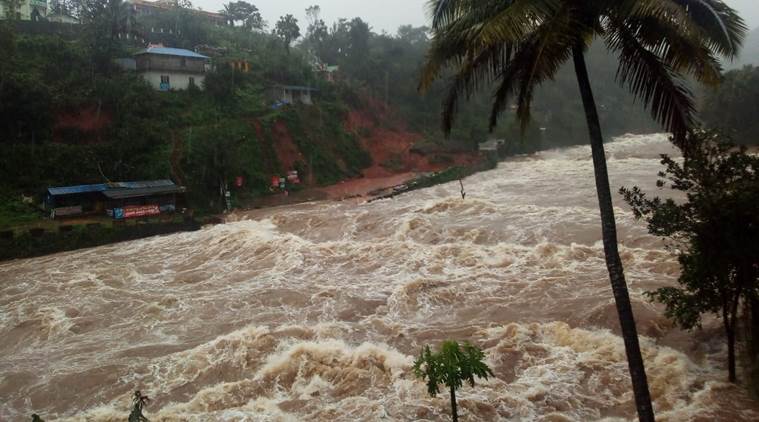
(315, 312)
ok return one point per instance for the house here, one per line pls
(326, 72)
(171, 68)
(142, 8)
(242, 66)
(26, 10)
(62, 18)
(293, 94)
(118, 200)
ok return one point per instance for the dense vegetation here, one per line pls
(199, 138)
(714, 233)
(734, 106)
(56, 74)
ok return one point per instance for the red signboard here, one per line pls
(135, 211)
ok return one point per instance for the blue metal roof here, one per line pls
(173, 52)
(70, 190)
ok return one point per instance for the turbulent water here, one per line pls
(315, 312)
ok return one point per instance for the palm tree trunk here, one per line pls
(730, 333)
(454, 407)
(609, 229)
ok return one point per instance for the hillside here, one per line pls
(69, 115)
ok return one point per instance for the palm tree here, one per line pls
(519, 44)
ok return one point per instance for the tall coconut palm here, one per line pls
(518, 44)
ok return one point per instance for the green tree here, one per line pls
(288, 30)
(715, 232)
(104, 21)
(245, 13)
(733, 106)
(451, 366)
(11, 9)
(520, 44)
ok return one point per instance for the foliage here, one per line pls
(733, 106)
(453, 365)
(244, 12)
(11, 9)
(715, 231)
(103, 21)
(522, 45)
(287, 28)
(138, 404)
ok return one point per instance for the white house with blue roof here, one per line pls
(172, 68)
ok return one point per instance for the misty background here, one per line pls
(388, 15)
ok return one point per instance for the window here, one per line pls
(164, 79)
(184, 62)
(192, 81)
(165, 85)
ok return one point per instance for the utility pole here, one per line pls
(387, 88)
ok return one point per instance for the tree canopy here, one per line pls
(245, 13)
(452, 366)
(715, 231)
(733, 106)
(287, 28)
(521, 45)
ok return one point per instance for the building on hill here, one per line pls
(62, 18)
(120, 200)
(27, 10)
(242, 66)
(172, 68)
(292, 94)
(152, 8)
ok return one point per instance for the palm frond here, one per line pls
(710, 22)
(683, 53)
(519, 65)
(652, 80)
(723, 28)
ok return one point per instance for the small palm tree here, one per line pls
(451, 366)
(519, 44)
(138, 404)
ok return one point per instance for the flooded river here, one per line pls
(315, 312)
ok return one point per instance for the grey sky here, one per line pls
(388, 15)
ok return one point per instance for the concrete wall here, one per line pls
(177, 81)
(162, 62)
(25, 9)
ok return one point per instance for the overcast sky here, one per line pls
(388, 15)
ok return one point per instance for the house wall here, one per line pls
(163, 62)
(25, 9)
(177, 81)
(62, 19)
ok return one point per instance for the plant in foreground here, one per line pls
(138, 403)
(451, 366)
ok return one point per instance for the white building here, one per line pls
(172, 68)
(292, 94)
(27, 10)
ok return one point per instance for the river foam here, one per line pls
(316, 311)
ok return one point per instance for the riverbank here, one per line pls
(40, 241)
(46, 237)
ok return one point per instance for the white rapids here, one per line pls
(316, 311)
